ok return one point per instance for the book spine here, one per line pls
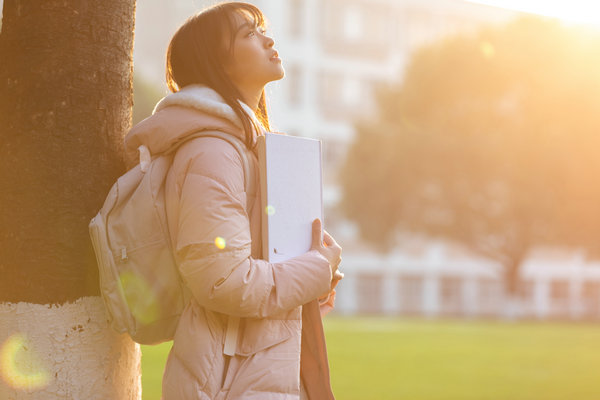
(322, 217)
(264, 199)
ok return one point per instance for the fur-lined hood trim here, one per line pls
(192, 109)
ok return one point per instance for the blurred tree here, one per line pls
(65, 104)
(491, 141)
(145, 96)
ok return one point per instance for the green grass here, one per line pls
(153, 365)
(380, 358)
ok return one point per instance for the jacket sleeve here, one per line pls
(214, 241)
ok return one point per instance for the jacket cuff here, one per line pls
(324, 271)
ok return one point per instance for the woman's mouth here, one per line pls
(275, 57)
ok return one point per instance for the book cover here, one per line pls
(291, 193)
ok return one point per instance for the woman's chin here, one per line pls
(281, 72)
(282, 75)
(276, 76)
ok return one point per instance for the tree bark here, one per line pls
(512, 277)
(512, 281)
(65, 352)
(65, 104)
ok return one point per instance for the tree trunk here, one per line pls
(512, 308)
(65, 104)
(65, 352)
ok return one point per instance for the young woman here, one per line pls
(218, 64)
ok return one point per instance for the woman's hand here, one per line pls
(328, 249)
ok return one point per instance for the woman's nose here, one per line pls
(269, 42)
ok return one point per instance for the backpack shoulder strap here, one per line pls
(234, 141)
(233, 322)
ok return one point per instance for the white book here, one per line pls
(291, 182)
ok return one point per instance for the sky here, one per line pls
(573, 11)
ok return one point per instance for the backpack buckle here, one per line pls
(124, 257)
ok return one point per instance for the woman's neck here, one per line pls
(252, 97)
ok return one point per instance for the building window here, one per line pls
(296, 18)
(559, 290)
(330, 89)
(489, 295)
(591, 298)
(525, 290)
(344, 96)
(351, 92)
(370, 291)
(352, 23)
(333, 153)
(451, 295)
(294, 84)
(559, 296)
(411, 294)
(357, 29)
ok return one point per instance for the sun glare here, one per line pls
(574, 11)
(140, 296)
(270, 210)
(220, 243)
(19, 366)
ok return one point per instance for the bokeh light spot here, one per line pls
(20, 367)
(270, 210)
(487, 49)
(220, 242)
(140, 297)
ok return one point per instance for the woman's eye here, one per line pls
(262, 31)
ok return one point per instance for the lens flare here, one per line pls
(140, 297)
(270, 210)
(487, 49)
(20, 367)
(220, 242)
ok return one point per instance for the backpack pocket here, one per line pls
(113, 296)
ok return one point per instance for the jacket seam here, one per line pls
(196, 157)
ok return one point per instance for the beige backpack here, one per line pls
(139, 279)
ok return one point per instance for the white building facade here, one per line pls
(437, 283)
(336, 53)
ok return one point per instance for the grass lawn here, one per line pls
(384, 358)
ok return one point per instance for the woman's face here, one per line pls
(253, 62)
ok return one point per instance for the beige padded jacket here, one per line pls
(205, 199)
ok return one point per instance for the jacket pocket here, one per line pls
(196, 345)
(260, 334)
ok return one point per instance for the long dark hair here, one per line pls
(196, 55)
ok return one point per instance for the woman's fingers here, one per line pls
(316, 234)
(328, 247)
(332, 245)
(328, 239)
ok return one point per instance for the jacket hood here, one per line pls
(192, 109)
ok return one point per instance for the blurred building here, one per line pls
(438, 280)
(155, 23)
(336, 54)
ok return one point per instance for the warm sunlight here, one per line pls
(575, 11)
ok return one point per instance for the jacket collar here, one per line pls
(192, 109)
